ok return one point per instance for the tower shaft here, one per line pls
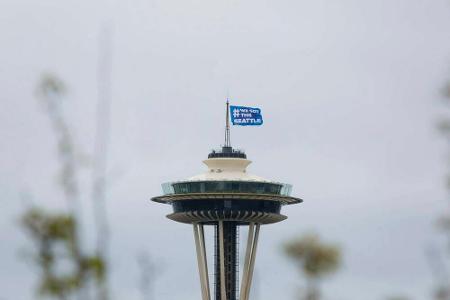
(231, 256)
(226, 197)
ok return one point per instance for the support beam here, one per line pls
(249, 264)
(205, 261)
(244, 282)
(199, 237)
(223, 292)
(252, 260)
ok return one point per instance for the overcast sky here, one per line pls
(350, 91)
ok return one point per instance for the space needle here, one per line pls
(226, 197)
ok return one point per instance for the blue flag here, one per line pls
(245, 116)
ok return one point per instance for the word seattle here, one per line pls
(246, 116)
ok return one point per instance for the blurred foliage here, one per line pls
(52, 91)
(442, 293)
(53, 232)
(443, 223)
(440, 270)
(446, 90)
(315, 259)
(66, 272)
(148, 271)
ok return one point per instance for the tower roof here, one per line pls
(227, 169)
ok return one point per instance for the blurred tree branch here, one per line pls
(148, 273)
(315, 260)
(50, 232)
(439, 269)
(100, 161)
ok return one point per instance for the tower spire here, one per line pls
(227, 126)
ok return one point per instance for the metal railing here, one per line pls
(170, 188)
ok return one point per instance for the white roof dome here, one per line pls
(225, 168)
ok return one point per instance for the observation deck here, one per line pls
(227, 192)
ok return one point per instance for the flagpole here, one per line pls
(227, 126)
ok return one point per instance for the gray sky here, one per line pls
(350, 92)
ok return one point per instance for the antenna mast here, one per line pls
(227, 126)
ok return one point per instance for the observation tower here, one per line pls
(226, 197)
